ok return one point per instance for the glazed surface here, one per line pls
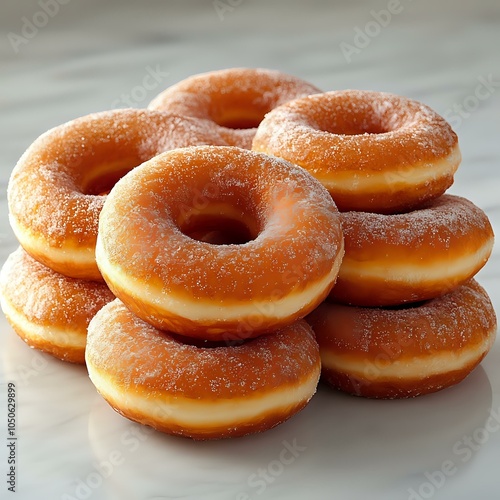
(219, 291)
(409, 257)
(58, 187)
(203, 392)
(405, 351)
(233, 101)
(47, 310)
(374, 151)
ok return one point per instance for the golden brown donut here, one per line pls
(405, 351)
(49, 311)
(374, 151)
(282, 262)
(203, 392)
(392, 259)
(233, 101)
(56, 190)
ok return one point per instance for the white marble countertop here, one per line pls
(63, 59)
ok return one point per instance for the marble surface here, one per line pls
(85, 56)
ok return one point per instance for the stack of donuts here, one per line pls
(204, 339)
(176, 250)
(51, 286)
(406, 316)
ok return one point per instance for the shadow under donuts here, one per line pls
(355, 447)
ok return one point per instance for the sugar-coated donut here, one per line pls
(234, 100)
(374, 152)
(287, 227)
(405, 351)
(392, 259)
(56, 190)
(49, 311)
(200, 391)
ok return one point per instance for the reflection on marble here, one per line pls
(353, 437)
(92, 55)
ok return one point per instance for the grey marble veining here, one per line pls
(85, 58)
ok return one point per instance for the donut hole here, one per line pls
(347, 122)
(217, 229)
(102, 178)
(105, 183)
(238, 118)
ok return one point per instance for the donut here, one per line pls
(410, 257)
(233, 101)
(281, 245)
(374, 151)
(203, 391)
(404, 351)
(57, 188)
(49, 311)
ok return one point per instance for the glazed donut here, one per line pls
(285, 231)
(374, 152)
(234, 101)
(404, 351)
(201, 391)
(392, 259)
(49, 311)
(55, 190)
